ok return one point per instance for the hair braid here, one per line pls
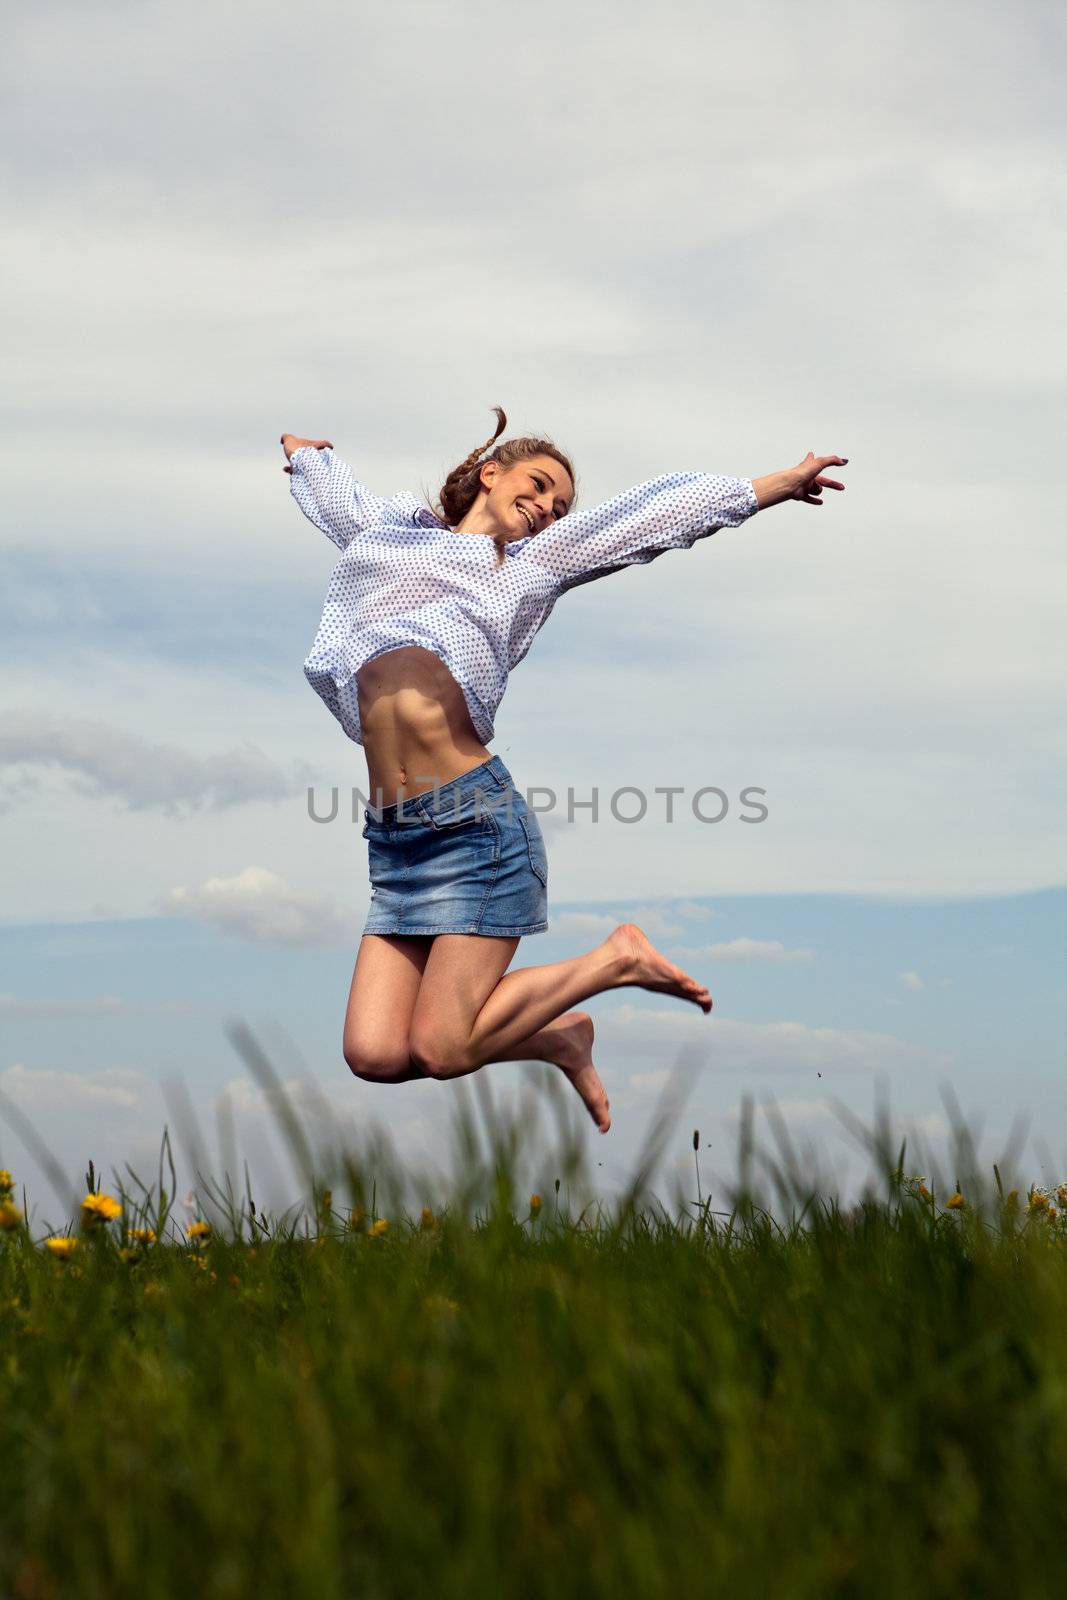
(457, 493)
(460, 489)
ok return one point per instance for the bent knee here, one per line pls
(435, 1058)
(375, 1064)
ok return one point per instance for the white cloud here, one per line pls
(771, 950)
(912, 980)
(659, 920)
(648, 1080)
(260, 906)
(932, 1125)
(105, 761)
(821, 1114)
(729, 1045)
(794, 1109)
(47, 1089)
(820, 1108)
(135, 265)
(587, 924)
(692, 911)
(109, 1006)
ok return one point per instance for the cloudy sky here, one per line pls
(676, 237)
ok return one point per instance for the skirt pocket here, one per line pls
(535, 844)
(472, 813)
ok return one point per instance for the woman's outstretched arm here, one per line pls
(667, 513)
(326, 490)
(805, 482)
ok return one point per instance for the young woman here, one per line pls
(425, 616)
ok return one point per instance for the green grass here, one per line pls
(495, 1403)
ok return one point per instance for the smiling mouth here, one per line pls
(526, 515)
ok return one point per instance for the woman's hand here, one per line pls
(290, 442)
(805, 482)
(809, 482)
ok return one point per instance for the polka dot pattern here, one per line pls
(404, 578)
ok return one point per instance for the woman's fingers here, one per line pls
(291, 443)
(298, 443)
(812, 483)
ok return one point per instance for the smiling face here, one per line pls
(525, 498)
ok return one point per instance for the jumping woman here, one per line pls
(426, 614)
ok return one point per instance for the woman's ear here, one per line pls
(493, 469)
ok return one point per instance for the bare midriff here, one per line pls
(417, 730)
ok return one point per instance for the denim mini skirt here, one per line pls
(464, 857)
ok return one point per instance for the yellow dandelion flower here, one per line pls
(198, 1230)
(62, 1246)
(129, 1254)
(535, 1204)
(1038, 1201)
(428, 1218)
(7, 1183)
(10, 1216)
(955, 1202)
(1052, 1213)
(99, 1208)
(143, 1235)
(1061, 1194)
(358, 1220)
(924, 1193)
(378, 1228)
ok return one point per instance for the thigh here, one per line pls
(460, 974)
(385, 986)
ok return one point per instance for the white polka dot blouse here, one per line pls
(405, 578)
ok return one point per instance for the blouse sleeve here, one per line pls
(667, 513)
(327, 493)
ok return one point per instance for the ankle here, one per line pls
(615, 961)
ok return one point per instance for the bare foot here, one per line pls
(570, 1040)
(645, 968)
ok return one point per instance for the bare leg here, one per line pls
(567, 1042)
(385, 986)
(468, 1013)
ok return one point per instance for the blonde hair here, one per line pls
(460, 489)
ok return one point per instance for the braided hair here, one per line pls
(460, 489)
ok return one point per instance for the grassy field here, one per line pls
(507, 1399)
